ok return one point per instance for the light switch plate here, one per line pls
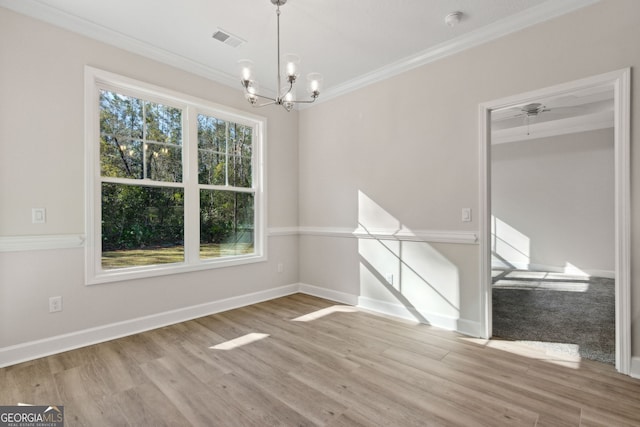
(466, 214)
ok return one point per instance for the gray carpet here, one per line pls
(574, 315)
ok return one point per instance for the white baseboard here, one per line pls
(60, 343)
(329, 294)
(45, 347)
(635, 367)
(463, 326)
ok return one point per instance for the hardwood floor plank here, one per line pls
(320, 363)
(195, 402)
(260, 408)
(92, 411)
(271, 379)
(147, 405)
(600, 418)
(552, 410)
(480, 405)
(354, 392)
(32, 383)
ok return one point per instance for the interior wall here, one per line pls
(42, 165)
(410, 144)
(553, 201)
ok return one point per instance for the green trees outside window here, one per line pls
(142, 164)
(224, 159)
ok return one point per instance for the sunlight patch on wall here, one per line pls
(508, 245)
(402, 270)
(572, 270)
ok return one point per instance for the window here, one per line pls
(174, 182)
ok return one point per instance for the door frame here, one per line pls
(619, 81)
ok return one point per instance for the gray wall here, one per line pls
(553, 202)
(42, 165)
(410, 145)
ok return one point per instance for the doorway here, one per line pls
(528, 108)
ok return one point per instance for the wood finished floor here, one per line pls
(321, 364)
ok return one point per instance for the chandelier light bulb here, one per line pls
(314, 84)
(292, 65)
(251, 93)
(246, 70)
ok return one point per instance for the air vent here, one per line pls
(228, 38)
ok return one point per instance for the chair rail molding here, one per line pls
(42, 242)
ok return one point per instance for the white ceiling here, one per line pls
(577, 111)
(350, 42)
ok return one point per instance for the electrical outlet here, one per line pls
(280, 267)
(55, 304)
(38, 215)
(389, 278)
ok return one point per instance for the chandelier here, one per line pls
(285, 94)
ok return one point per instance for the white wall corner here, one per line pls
(470, 328)
(329, 294)
(635, 367)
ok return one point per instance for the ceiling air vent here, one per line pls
(228, 38)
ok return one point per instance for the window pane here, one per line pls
(121, 131)
(141, 225)
(211, 167)
(121, 116)
(127, 125)
(163, 124)
(120, 157)
(225, 152)
(226, 223)
(240, 151)
(164, 162)
(212, 133)
(240, 171)
(240, 138)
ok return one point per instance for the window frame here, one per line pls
(97, 80)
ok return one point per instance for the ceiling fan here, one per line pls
(530, 112)
(533, 109)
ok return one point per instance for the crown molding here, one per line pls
(532, 16)
(41, 11)
(548, 10)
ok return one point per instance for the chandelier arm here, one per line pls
(273, 102)
(289, 90)
(304, 102)
(264, 97)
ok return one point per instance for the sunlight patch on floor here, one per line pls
(541, 285)
(538, 351)
(240, 341)
(325, 312)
